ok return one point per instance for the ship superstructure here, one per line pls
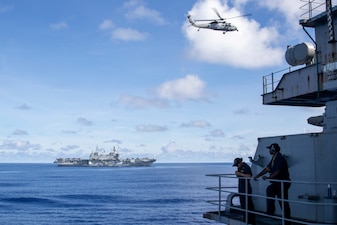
(111, 159)
(311, 156)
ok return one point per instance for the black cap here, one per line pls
(275, 147)
(237, 161)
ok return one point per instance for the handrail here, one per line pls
(270, 81)
(230, 190)
(312, 6)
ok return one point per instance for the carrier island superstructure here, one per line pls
(312, 157)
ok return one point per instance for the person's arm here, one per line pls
(237, 173)
(263, 172)
(273, 175)
(277, 168)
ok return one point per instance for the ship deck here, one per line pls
(237, 217)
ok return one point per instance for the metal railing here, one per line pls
(231, 192)
(312, 8)
(270, 81)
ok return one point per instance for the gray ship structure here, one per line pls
(111, 159)
(310, 82)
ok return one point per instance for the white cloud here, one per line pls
(114, 141)
(84, 121)
(217, 133)
(190, 87)
(196, 123)
(136, 102)
(123, 34)
(171, 152)
(169, 147)
(238, 137)
(292, 10)
(24, 106)
(69, 147)
(128, 34)
(59, 26)
(151, 128)
(69, 131)
(170, 93)
(242, 111)
(19, 132)
(106, 25)
(5, 8)
(253, 46)
(137, 10)
(19, 145)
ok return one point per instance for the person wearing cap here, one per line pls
(244, 171)
(278, 169)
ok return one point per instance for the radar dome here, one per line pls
(300, 54)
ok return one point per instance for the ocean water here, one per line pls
(33, 194)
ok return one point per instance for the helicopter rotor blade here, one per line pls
(216, 12)
(205, 20)
(221, 18)
(238, 16)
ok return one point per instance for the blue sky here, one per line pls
(76, 75)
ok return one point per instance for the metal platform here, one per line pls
(236, 217)
(302, 87)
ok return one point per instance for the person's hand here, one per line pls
(264, 177)
(255, 178)
(237, 173)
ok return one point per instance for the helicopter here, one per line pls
(215, 24)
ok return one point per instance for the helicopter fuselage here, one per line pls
(214, 25)
(223, 26)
